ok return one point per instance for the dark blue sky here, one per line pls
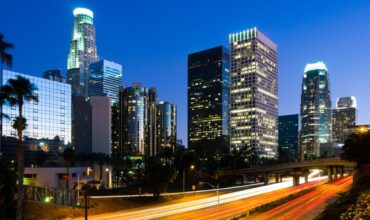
(151, 39)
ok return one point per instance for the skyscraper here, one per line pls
(135, 116)
(254, 92)
(315, 110)
(166, 125)
(82, 51)
(208, 97)
(344, 116)
(289, 137)
(105, 79)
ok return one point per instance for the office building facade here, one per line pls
(101, 115)
(82, 51)
(315, 110)
(166, 125)
(254, 93)
(105, 79)
(48, 120)
(136, 122)
(209, 97)
(81, 125)
(343, 116)
(289, 138)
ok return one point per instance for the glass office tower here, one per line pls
(315, 110)
(208, 97)
(48, 120)
(82, 51)
(344, 116)
(254, 92)
(166, 125)
(136, 121)
(105, 79)
(289, 138)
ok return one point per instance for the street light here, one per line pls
(218, 195)
(192, 167)
(107, 170)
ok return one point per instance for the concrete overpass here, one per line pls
(333, 166)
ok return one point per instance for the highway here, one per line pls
(306, 206)
(205, 208)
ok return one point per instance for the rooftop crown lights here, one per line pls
(315, 66)
(83, 11)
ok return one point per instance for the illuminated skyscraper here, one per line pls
(254, 92)
(315, 110)
(166, 125)
(137, 124)
(82, 51)
(105, 79)
(208, 97)
(344, 116)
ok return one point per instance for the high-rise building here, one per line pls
(289, 138)
(315, 110)
(343, 116)
(48, 121)
(54, 75)
(82, 51)
(81, 125)
(254, 92)
(166, 125)
(105, 79)
(136, 123)
(208, 97)
(101, 115)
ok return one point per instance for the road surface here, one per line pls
(306, 206)
(232, 203)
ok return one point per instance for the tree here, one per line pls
(5, 57)
(101, 160)
(68, 155)
(357, 148)
(158, 174)
(8, 187)
(15, 93)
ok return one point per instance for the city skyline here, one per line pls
(165, 66)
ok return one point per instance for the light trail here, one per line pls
(306, 203)
(173, 209)
(178, 193)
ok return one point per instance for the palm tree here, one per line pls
(15, 93)
(68, 157)
(101, 160)
(4, 56)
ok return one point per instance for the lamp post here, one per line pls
(217, 191)
(107, 170)
(183, 176)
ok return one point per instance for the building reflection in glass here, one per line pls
(48, 121)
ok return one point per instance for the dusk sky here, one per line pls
(151, 39)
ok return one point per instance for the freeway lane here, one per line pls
(239, 206)
(210, 203)
(304, 207)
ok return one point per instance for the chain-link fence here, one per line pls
(67, 197)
